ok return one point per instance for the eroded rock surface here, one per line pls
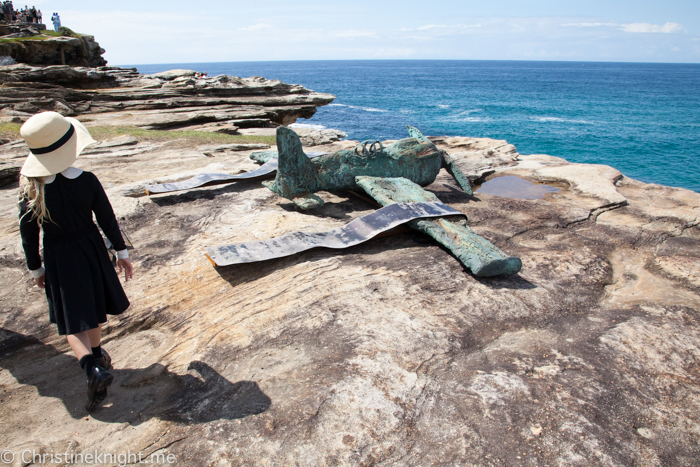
(317, 137)
(177, 99)
(388, 353)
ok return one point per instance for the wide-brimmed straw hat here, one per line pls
(55, 143)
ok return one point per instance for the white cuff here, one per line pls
(37, 273)
(123, 254)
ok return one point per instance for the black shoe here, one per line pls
(98, 382)
(105, 361)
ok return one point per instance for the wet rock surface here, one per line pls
(388, 353)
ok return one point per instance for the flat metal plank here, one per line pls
(198, 181)
(357, 231)
(211, 179)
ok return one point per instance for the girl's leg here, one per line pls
(80, 343)
(98, 377)
(95, 336)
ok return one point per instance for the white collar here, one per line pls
(70, 172)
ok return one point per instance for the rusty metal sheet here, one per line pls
(198, 181)
(357, 231)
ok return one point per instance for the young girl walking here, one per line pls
(81, 284)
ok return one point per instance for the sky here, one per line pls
(175, 31)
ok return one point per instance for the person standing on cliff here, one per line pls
(81, 285)
(56, 22)
(8, 12)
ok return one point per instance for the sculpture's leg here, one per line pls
(476, 253)
(447, 162)
(453, 169)
(479, 255)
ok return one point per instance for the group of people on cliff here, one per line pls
(24, 15)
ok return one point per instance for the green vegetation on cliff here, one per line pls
(11, 131)
(44, 35)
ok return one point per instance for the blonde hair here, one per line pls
(32, 189)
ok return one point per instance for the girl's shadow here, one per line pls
(137, 395)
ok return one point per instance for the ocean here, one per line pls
(641, 118)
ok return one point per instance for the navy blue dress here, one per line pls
(82, 286)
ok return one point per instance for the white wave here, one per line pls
(307, 125)
(366, 109)
(459, 119)
(443, 106)
(468, 112)
(557, 119)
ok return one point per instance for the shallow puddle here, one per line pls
(510, 186)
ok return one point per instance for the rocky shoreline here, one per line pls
(388, 353)
(385, 354)
(172, 100)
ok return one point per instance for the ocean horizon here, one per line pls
(641, 118)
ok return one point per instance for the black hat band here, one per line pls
(64, 139)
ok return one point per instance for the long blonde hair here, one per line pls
(32, 189)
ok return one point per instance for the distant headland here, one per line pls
(33, 44)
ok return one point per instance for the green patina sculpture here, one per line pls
(416, 159)
(390, 175)
(479, 255)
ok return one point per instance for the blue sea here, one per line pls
(641, 118)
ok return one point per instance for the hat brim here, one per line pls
(51, 163)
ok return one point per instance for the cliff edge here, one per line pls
(32, 44)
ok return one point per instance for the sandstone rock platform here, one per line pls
(177, 99)
(388, 353)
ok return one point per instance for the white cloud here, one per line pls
(587, 25)
(667, 28)
(257, 27)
